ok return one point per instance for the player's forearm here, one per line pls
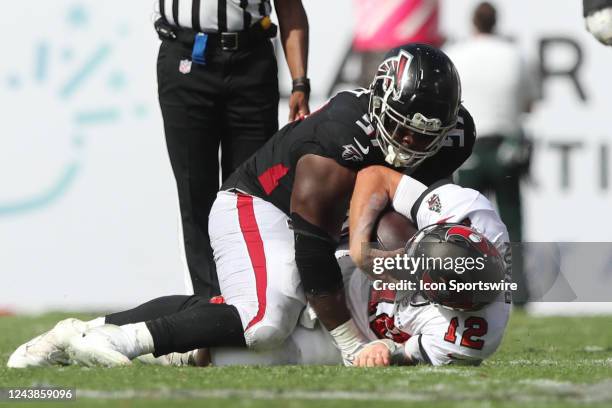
(361, 226)
(370, 197)
(293, 24)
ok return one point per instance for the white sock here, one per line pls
(348, 339)
(97, 322)
(138, 340)
(172, 359)
(182, 359)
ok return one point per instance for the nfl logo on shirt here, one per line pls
(185, 66)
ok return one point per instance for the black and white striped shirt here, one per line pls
(214, 15)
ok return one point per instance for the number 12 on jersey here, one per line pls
(474, 327)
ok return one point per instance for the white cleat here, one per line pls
(49, 348)
(99, 346)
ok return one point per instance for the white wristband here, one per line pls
(407, 193)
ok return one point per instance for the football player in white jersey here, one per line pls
(416, 327)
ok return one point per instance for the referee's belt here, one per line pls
(234, 41)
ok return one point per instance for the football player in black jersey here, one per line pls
(275, 224)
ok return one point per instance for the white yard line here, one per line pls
(250, 394)
(552, 363)
(538, 390)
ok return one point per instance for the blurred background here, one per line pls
(88, 206)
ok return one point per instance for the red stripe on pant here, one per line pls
(252, 238)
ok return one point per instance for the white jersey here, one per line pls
(432, 334)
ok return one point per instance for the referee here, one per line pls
(218, 86)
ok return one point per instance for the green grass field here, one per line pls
(554, 362)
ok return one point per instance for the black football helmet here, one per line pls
(449, 243)
(416, 87)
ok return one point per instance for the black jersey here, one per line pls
(341, 130)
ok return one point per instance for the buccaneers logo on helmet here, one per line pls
(473, 238)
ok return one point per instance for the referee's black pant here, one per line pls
(230, 101)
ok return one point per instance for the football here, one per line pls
(393, 230)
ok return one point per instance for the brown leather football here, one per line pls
(393, 230)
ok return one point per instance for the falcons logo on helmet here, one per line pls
(395, 70)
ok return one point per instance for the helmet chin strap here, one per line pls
(392, 157)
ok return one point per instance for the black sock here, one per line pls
(202, 325)
(160, 307)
